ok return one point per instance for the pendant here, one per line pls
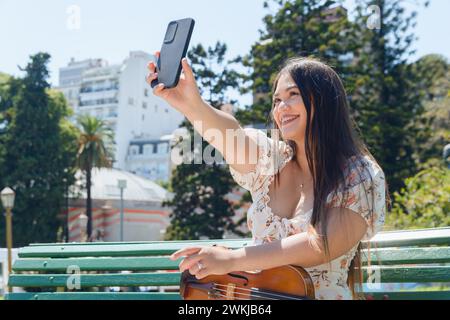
(301, 185)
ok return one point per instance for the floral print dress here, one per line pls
(364, 192)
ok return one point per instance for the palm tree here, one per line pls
(93, 152)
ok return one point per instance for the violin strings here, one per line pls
(256, 291)
(243, 294)
(256, 296)
(224, 296)
(260, 296)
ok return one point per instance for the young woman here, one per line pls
(317, 191)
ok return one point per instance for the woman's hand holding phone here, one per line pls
(185, 97)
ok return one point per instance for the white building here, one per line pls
(120, 95)
(150, 158)
(70, 78)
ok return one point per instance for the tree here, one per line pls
(296, 28)
(93, 152)
(423, 202)
(385, 99)
(9, 87)
(38, 153)
(433, 82)
(199, 206)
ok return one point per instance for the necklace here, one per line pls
(303, 184)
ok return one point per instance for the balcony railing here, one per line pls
(89, 89)
(98, 102)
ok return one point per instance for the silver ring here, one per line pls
(200, 265)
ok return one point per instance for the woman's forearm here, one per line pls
(205, 117)
(345, 230)
(220, 130)
(295, 250)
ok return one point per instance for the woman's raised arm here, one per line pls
(219, 128)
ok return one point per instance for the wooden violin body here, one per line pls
(281, 283)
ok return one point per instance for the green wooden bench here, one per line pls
(413, 256)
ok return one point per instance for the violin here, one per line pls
(281, 283)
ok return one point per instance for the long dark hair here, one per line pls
(331, 139)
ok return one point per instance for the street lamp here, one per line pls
(122, 184)
(7, 197)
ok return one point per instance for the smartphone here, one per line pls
(174, 48)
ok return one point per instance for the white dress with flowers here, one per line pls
(363, 193)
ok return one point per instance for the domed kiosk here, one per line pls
(144, 217)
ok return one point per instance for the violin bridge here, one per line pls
(230, 291)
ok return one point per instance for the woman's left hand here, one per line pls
(204, 261)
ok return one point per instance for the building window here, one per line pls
(167, 110)
(130, 101)
(162, 148)
(134, 150)
(112, 112)
(146, 92)
(156, 108)
(162, 169)
(148, 149)
(143, 117)
(144, 105)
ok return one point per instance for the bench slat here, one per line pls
(387, 275)
(384, 256)
(414, 237)
(147, 249)
(96, 280)
(410, 274)
(97, 264)
(46, 244)
(437, 236)
(390, 256)
(93, 296)
(411, 295)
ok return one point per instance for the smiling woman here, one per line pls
(317, 192)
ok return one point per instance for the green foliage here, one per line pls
(433, 74)
(94, 148)
(383, 87)
(165, 184)
(199, 206)
(385, 98)
(37, 160)
(424, 201)
(295, 28)
(214, 75)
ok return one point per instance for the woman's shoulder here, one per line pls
(271, 143)
(362, 168)
(365, 192)
(272, 155)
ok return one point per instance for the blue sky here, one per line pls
(110, 29)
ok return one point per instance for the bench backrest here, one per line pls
(414, 256)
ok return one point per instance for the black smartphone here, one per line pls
(174, 48)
